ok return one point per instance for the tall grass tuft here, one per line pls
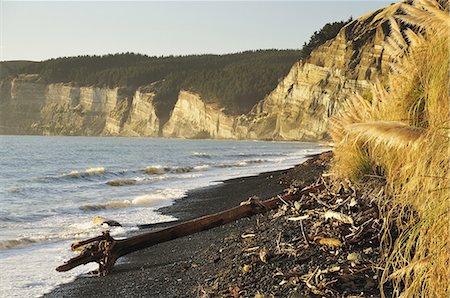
(403, 135)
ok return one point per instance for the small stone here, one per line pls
(263, 254)
(368, 250)
(246, 268)
(354, 257)
(353, 203)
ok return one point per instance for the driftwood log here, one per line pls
(105, 250)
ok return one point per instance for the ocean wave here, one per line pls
(256, 161)
(122, 182)
(82, 229)
(134, 181)
(148, 200)
(110, 205)
(156, 170)
(77, 174)
(201, 154)
(241, 163)
(8, 244)
(232, 165)
(201, 168)
(256, 154)
(88, 172)
(183, 170)
(13, 189)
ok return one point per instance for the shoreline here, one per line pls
(158, 271)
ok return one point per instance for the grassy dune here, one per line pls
(400, 133)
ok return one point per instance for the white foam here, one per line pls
(34, 277)
(87, 172)
(95, 171)
(159, 198)
(135, 180)
(155, 199)
(25, 274)
(155, 170)
(201, 154)
(201, 168)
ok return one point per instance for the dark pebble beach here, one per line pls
(179, 267)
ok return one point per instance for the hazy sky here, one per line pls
(39, 30)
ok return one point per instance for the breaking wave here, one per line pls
(240, 164)
(156, 170)
(256, 154)
(13, 189)
(201, 154)
(134, 181)
(8, 244)
(122, 182)
(201, 168)
(87, 172)
(150, 200)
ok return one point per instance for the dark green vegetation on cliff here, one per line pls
(237, 81)
(327, 32)
(11, 68)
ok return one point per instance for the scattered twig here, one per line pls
(303, 232)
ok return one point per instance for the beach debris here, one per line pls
(368, 250)
(335, 256)
(297, 205)
(330, 270)
(330, 242)
(352, 203)
(251, 249)
(354, 257)
(263, 254)
(291, 190)
(338, 216)
(250, 235)
(297, 218)
(105, 250)
(235, 292)
(303, 233)
(333, 274)
(246, 268)
(251, 200)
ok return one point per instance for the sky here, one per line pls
(39, 30)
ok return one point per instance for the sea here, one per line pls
(52, 188)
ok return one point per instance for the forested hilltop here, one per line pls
(236, 81)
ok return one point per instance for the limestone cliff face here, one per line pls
(29, 106)
(18, 105)
(297, 109)
(314, 90)
(142, 119)
(192, 118)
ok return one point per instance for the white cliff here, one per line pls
(29, 106)
(193, 118)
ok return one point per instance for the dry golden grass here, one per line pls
(403, 134)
